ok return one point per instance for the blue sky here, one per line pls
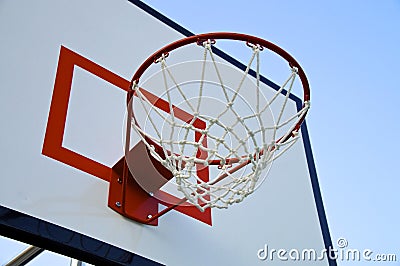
(349, 51)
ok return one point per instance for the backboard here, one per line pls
(65, 119)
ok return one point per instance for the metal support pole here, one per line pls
(25, 256)
(75, 262)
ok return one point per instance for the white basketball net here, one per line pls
(254, 152)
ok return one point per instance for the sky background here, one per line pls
(349, 51)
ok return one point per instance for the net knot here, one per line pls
(161, 58)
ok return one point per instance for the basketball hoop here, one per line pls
(185, 140)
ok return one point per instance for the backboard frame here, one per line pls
(22, 227)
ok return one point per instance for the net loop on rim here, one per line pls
(254, 46)
(162, 57)
(184, 157)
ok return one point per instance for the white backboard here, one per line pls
(49, 200)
